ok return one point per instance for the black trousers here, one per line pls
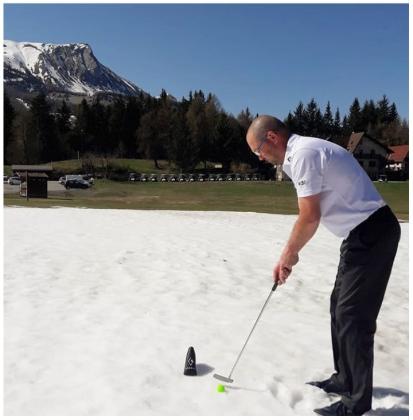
(366, 260)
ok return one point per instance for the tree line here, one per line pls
(186, 133)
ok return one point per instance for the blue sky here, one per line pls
(267, 57)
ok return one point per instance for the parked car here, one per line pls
(192, 178)
(14, 180)
(89, 178)
(239, 177)
(202, 177)
(153, 178)
(61, 180)
(144, 178)
(383, 178)
(76, 183)
(230, 177)
(256, 177)
(5, 179)
(248, 177)
(134, 177)
(212, 177)
(221, 177)
(164, 178)
(173, 178)
(182, 178)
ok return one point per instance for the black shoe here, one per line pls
(330, 387)
(336, 409)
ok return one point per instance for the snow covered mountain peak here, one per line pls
(69, 68)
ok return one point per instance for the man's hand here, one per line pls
(284, 267)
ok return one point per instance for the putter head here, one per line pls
(223, 378)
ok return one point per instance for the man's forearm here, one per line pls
(303, 230)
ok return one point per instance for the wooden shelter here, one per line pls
(33, 180)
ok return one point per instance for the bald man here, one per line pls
(334, 190)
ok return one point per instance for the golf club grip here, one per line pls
(274, 287)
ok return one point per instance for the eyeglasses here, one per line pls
(257, 151)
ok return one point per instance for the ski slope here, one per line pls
(102, 305)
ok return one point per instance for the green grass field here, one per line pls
(262, 197)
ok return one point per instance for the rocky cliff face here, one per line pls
(60, 69)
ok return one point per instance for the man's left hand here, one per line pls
(284, 267)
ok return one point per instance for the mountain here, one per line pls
(59, 70)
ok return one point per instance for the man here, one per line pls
(334, 190)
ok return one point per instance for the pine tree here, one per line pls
(212, 110)
(197, 125)
(290, 122)
(99, 131)
(368, 116)
(116, 119)
(393, 114)
(312, 119)
(299, 119)
(42, 129)
(245, 118)
(346, 130)
(132, 117)
(328, 123)
(337, 124)
(354, 119)
(383, 110)
(64, 127)
(81, 141)
(183, 152)
(9, 117)
(63, 118)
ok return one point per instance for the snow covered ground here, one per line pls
(102, 305)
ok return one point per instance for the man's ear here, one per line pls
(271, 135)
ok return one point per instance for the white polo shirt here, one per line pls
(348, 196)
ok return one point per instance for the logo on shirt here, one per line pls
(301, 183)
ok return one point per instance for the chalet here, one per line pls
(398, 163)
(370, 153)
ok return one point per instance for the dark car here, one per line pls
(230, 177)
(89, 178)
(239, 177)
(134, 177)
(164, 178)
(153, 178)
(202, 177)
(212, 177)
(182, 178)
(144, 178)
(221, 177)
(76, 183)
(256, 177)
(173, 178)
(192, 178)
(248, 177)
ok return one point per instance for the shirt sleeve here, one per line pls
(307, 172)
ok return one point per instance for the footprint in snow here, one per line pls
(123, 256)
(283, 393)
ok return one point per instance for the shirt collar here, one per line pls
(288, 152)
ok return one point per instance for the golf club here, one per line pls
(229, 379)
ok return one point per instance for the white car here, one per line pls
(14, 180)
(5, 179)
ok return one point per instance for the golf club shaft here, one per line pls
(255, 324)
